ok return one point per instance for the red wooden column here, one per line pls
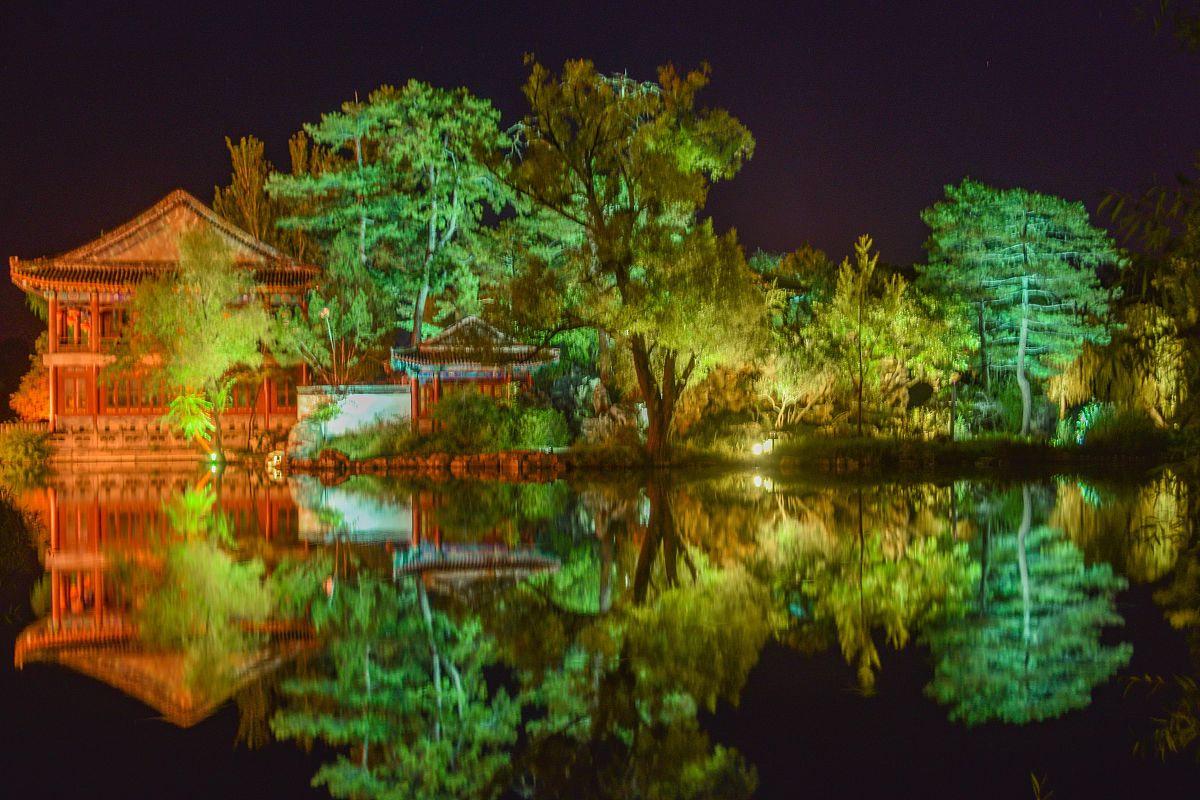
(51, 349)
(94, 370)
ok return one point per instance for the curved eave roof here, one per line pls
(41, 275)
(434, 361)
(145, 247)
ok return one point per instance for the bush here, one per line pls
(540, 427)
(24, 455)
(1126, 431)
(472, 423)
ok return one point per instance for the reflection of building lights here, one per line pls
(757, 481)
(756, 449)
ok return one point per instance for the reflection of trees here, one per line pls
(619, 687)
(1177, 722)
(1030, 649)
(1139, 530)
(195, 598)
(853, 563)
(402, 686)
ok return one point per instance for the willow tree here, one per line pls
(1029, 264)
(407, 182)
(628, 166)
(197, 328)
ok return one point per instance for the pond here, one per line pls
(615, 635)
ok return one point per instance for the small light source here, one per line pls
(212, 456)
(768, 445)
(757, 481)
(757, 449)
(213, 468)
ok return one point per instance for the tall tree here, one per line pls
(1029, 263)
(407, 182)
(195, 328)
(628, 166)
(245, 201)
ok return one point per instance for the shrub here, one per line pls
(472, 423)
(540, 427)
(24, 455)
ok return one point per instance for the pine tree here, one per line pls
(406, 182)
(1028, 263)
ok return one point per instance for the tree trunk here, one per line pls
(1022, 379)
(985, 373)
(419, 313)
(659, 399)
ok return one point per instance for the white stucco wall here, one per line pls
(362, 406)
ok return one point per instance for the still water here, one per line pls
(715, 636)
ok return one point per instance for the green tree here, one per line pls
(1028, 262)
(407, 183)
(628, 165)
(340, 334)
(881, 339)
(195, 328)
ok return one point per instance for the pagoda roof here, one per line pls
(148, 246)
(472, 344)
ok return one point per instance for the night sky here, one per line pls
(862, 111)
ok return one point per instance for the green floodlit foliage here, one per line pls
(405, 183)
(1030, 650)
(195, 329)
(882, 341)
(625, 168)
(403, 689)
(342, 334)
(1027, 265)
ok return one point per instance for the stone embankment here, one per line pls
(517, 465)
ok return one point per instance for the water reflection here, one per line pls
(154, 588)
(550, 640)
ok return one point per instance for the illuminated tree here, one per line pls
(1028, 264)
(31, 400)
(881, 339)
(407, 184)
(341, 333)
(196, 328)
(245, 201)
(627, 166)
(1031, 649)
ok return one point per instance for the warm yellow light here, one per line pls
(757, 449)
(757, 481)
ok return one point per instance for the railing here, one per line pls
(31, 427)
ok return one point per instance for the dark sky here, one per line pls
(862, 111)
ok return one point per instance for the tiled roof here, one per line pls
(148, 245)
(472, 344)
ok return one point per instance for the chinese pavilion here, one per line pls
(88, 291)
(470, 355)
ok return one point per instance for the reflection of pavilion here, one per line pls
(93, 517)
(111, 652)
(96, 521)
